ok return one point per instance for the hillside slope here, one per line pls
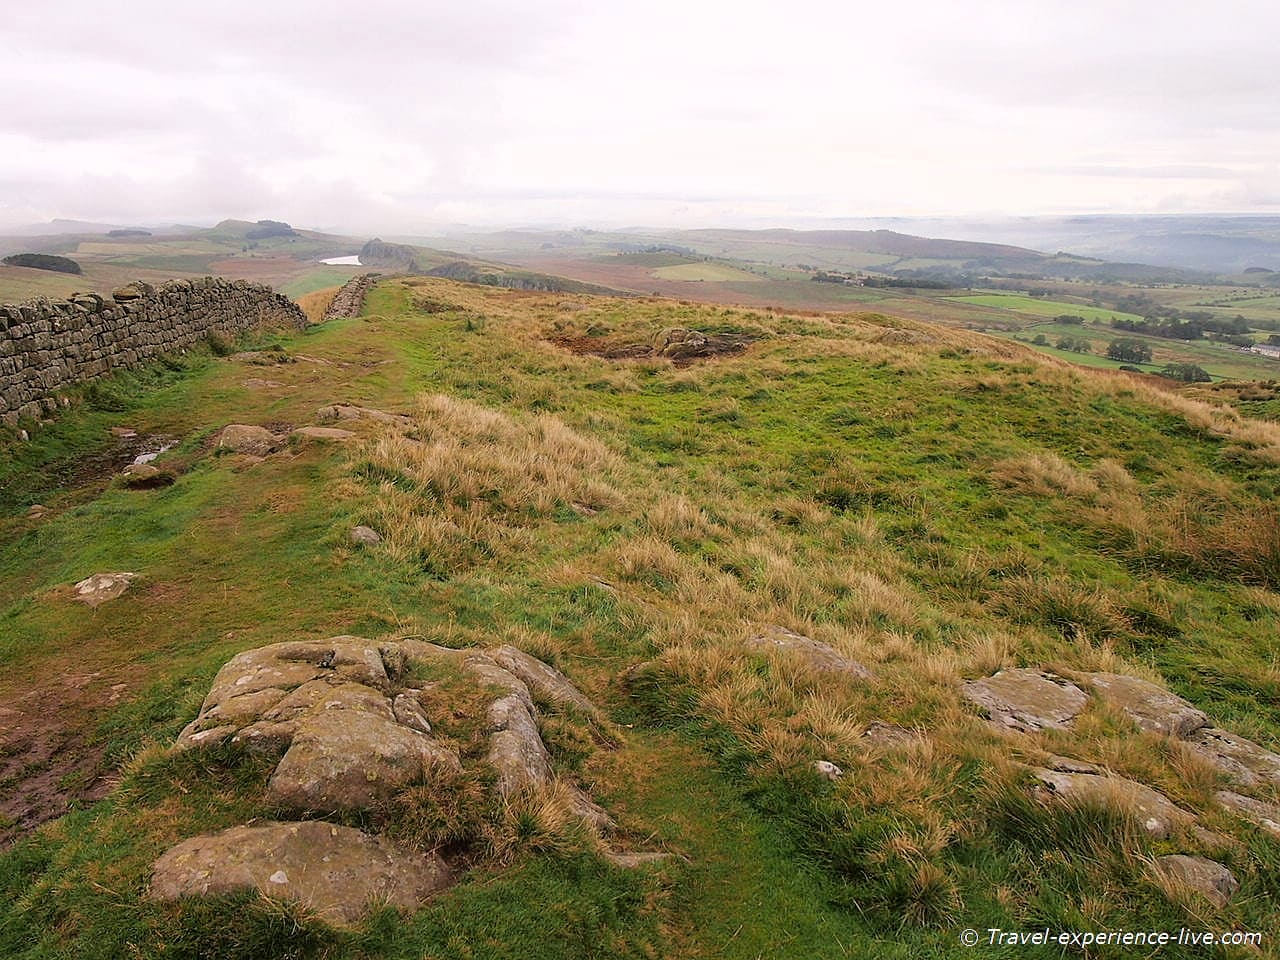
(776, 543)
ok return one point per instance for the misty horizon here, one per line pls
(406, 120)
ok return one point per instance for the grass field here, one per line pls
(705, 270)
(934, 503)
(1039, 307)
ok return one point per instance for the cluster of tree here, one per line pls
(44, 261)
(1185, 372)
(921, 283)
(1129, 350)
(834, 276)
(1075, 344)
(128, 232)
(1190, 327)
(269, 228)
(1070, 318)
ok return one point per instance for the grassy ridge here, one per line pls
(935, 503)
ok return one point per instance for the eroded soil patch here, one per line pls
(49, 761)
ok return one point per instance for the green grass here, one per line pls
(832, 478)
(1039, 307)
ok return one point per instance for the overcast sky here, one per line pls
(385, 116)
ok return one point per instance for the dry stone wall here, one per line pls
(349, 301)
(47, 345)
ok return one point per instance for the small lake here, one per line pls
(343, 261)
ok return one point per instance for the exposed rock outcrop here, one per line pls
(817, 655)
(1151, 708)
(1158, 815)
(1026, 700)
(1206, 877)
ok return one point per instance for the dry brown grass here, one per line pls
(315, 304)
(467, 482)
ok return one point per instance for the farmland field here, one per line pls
(1043, 308)
(711, 272)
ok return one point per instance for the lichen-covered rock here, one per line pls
(1158, 815)
(144, 476)
(247, 439)
(337, 872)
(1151, 707)
(545, 681)
(1265, 815)
(365, 536)
(817, 655)
(349, 757)
(516, 751)
(335, 434)
(1243, 761)
(349, 411)
(881, 734)
(1206, 877)
(101, 587)
(680, 343)
(1026, 700)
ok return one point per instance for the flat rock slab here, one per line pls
(815, 653)
(247, 439)
(1158, 815)
(349, 411)
(101, 587)
(1206, 877)
(338, 872)
(334, 434)
(883, 734)
(1026, 699)
(365, 536)
(1151, 707)
(1243, 761)
(1265, 815)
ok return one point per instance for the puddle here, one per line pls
(343, 261)
(152, 454)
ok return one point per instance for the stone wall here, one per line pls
(349, 301)
(46, 345)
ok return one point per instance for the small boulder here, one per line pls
(247, 439)
(144, 476)
(1026, 700)
(1206, 877)
(101, 587)
(825, 768)
(819, 656)
(1151, 707)
(340, 873)
(365, 536)
(37, 510)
